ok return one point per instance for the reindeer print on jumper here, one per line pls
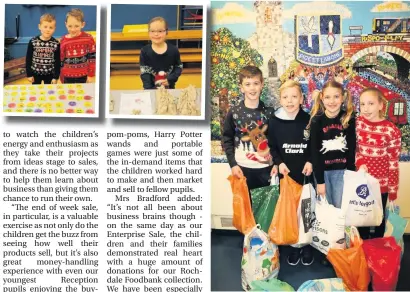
(333, 147)
(245, 136)
(338, 143)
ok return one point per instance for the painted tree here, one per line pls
(229, 54)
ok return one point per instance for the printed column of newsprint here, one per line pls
(104, 209)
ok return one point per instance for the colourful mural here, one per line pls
(360, 44)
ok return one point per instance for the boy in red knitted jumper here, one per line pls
(378, 149)
(77, 51)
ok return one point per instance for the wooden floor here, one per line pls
(129, 82)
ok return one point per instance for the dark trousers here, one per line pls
(46, 78)
(379, 230)
(75, 80)
(256, 177)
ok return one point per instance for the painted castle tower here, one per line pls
(276, 46)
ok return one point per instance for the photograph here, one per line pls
(310, 100)
(51, 60)
(156, 68)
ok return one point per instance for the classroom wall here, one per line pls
(122, 14)
(29, 20)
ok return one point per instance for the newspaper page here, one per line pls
(94, 198)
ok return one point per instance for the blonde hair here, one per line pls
(158, 18)
(76, 13)
(47, 17)
(290, 84)
(380, 96)
(318, 107)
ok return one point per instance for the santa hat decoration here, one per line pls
(159, 77)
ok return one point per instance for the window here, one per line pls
(398, 109)
(386, 22)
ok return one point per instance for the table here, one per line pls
(50, 98)
(115, 98)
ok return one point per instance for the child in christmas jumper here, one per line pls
(378, 151)
(78, 51)
(160, 62)
(333, 139)
(290, 149)
(43, 54)
(244, 136)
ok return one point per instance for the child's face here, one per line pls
(157, 32)
(74, 26)
(332, 100)
(291, 99)
(370, 106)
(252, 88)
(47, 28)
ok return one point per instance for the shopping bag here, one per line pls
(395, 224)
(260, 259)
(331, 284)
(271, 285)
(304, 213)
(383, 258)
(243, 219)
(350, 264)
(362, 201)
(264, 202)
(327, 226)
(284, 227)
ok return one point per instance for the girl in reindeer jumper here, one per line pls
(332, 139)
(378, 151)
(289, 146)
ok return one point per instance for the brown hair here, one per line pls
(318, 107)
(76, 13)
(158, 18)
(47, 17)
(380, 96)
(289, 84)
(250, 72)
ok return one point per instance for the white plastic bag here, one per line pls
(260, 259)
(362, 201)
(304, 212)
(328, 227)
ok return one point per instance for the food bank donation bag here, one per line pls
(304, 213)
(383, 258)
(260, 259)
(331, 284)
(271, 285)
(350, 264)
(395, 224)
(264, 202)
(327, 226)
(243, 219)
(362, 201)
(284, 227)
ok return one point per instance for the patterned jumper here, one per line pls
(78, 55)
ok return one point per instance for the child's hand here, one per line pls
(274, 171)
(364, 168)
(307, 170)
(237, 171)
(321, 189)
(54, 81)
(165, 82)
(88, 80)
(283, 169)
(30, 79)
